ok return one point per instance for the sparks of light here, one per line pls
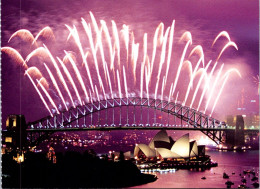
(56, 85)
(162, 59)
(169, 97)
(225, 76)
(15, 55)
(125, 32)
(147, 82)
(97, 93)
(46, 32)
(24, 34)
(75, 35)
(65, 59)
(176, 99)
(94, 22)
(170, 49)
(203, 75)
(135, 48)
(125, 82)
(71, 81)
(155, 40)
(163, 84)
(76, 70)
(40, 51)
(34, 72)
(201, 60)
(39, 93)
(44, 83)
(188, 63)
(230, 43)
(100, 45)
(117, 44)
(59, 73)
(208, 79)
(213, 88)
(109, 42)
(186, 35)
(109, 82)
(91, 99)
(89, 34)
(47, 94)
(119, 85)
(224, 34)
(143, 63)
(256, 81)
(198, 50)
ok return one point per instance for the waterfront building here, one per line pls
(164, 147)
(51, 155)
(19, 158)
(251, 121)
(116, 155)
(14, 137)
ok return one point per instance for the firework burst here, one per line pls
(115, 65)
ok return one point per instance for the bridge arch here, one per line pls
(63, 121)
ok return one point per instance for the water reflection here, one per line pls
(233, 163)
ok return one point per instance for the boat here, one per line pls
(254, 178)
(256, 184)
(242, 186)
(248, 171)
(225, 175)
(203, 178)
(229, 182)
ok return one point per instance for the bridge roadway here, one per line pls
(97, 128)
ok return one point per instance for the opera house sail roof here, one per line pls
(166, 147)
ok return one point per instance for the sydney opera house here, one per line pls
(163, 146)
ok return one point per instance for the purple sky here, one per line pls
(203, 18)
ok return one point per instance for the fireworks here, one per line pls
(256, 82)
(115, 65)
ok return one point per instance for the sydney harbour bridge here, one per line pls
(136, 118)
(132, 113)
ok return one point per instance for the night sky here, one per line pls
(203, 18)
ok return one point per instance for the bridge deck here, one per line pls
(130, 128)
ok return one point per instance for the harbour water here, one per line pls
(228, 161)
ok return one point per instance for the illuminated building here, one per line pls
(231, 120)
(127, 155)
(250, 120)
(19, 158)
(51, 155)
(162, 146)
(14, 138)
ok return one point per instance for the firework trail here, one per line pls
(47, 94)
(15, 55)
(39, 93)
(46, 32)
(225, 76)
(256, 81)
(224, 34)
(24, 34)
